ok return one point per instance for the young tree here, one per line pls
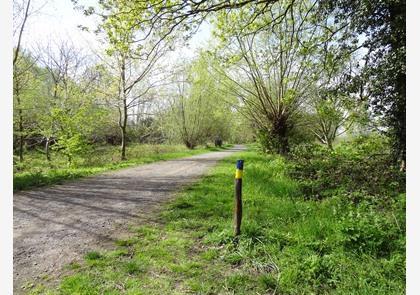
(69, 106)
(333, 111)
(135, 62)
(334, 114)
(64, 64)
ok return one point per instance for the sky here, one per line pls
(55, 19)
(58, 20)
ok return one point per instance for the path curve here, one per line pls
(56, 225)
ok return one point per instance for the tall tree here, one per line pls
(382, 25)
(272, 68)
(27, 84)
(21, 12)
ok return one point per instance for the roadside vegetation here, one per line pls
(350, 240)
(37, 171)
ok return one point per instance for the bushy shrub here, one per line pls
(270, 142)
(363, 165)
(368, 228)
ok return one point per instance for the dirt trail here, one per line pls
(56, 225)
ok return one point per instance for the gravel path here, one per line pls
(56, 225)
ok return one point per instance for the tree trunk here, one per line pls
(20, 118)
(189, 144)
(22, 27)
(280, 134)
(123, 129)
(329, 144)
(398, 116)
(20, 138)
(124, 113)
(402, 166)
(284, 145)
(47, 149)
(123, 142)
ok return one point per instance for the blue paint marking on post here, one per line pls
(240, 164)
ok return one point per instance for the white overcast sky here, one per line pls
(57, 20)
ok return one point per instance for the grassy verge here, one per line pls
(288, 245)
(36, 171)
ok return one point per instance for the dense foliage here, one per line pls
(360, 168)
(382, 79)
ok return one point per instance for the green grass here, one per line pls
(288, 245)
(36, 171)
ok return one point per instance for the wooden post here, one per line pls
(238, 197)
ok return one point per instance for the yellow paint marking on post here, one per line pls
(238, 174)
